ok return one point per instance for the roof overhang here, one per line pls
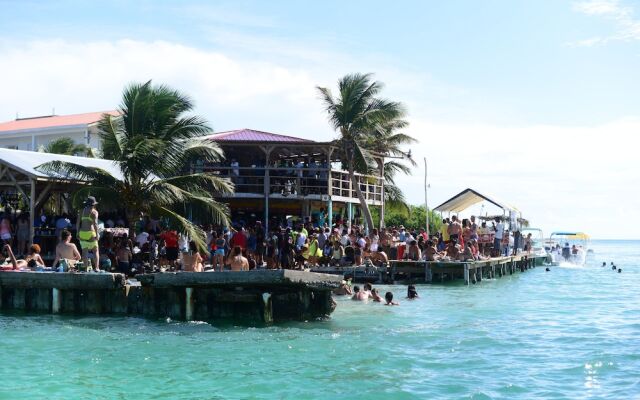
(468, 198)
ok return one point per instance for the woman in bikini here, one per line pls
(88, 232)
(237, 261)
(192, 260)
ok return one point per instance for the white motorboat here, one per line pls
(568, 247)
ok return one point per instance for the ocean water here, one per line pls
(571, 333)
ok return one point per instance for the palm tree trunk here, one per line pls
(363, 201)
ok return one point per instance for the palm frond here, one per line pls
(183, 225)
(67, 170)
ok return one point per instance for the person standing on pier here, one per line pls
(455, 229)
(498, 228)
(87, 227)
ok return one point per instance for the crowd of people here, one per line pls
(102, 243)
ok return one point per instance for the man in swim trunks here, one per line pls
(87, 227)
(65, 250)
(455, 229)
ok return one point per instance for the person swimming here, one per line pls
(412, 293)
(360, 295)
(547, 269)
(619, 270)
(604, 264)
(376, 296)
(389, 298)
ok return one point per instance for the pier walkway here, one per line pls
(437, 271)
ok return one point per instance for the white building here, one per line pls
(32, 133)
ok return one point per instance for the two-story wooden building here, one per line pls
(278, 177)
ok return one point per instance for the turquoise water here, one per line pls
(569, 333)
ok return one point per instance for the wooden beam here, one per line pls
(44, 193)
(17, 185)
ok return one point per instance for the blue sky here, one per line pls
(505, 96)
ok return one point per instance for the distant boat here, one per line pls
(568, 247)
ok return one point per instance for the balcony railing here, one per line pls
(296, 182)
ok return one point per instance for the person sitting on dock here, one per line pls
(453, 251)
(10, 262)
(431, 253)
(34, 260)
(379, 257)
(467, 253)
(65, 250)
(389, 299)
(412, 293)
(237, 261)
(413, 252)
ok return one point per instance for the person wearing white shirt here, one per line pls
(142, 238)
(499, 232)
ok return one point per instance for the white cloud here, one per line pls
(626, 27)
(78, 77)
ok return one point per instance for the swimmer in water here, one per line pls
(604, 264)
(359, 294)
(411, 292)
(547, 269)
(619, 270)
(376, 296)
(389, 298)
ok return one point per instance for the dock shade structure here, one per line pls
(19, 175)
(470, 197)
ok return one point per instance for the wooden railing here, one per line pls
(294, 181)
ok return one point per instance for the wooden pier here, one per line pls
(438, 271)
(255, 296)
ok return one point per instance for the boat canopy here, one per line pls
(572, 235)
(468, 198)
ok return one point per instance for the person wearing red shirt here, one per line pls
(239, 239)
(170, 239)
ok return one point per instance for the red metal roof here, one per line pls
(53, 121)
(250, 135)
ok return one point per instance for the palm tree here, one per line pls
(358, 114)
(66, 146)
(387, 142)
(152, 141)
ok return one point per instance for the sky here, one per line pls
(533, 102)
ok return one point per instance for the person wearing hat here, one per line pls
(87, 227)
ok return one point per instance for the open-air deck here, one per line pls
(280, 176)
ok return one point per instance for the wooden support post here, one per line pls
(56, 300)
(267, 310)
(480, 275)
(32, 211)
(466, 274)
(188, 302)
(393, 272)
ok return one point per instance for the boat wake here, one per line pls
(568, 265)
